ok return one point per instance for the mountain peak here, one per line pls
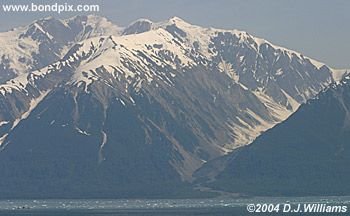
(92, 20)
(97, 19)
(142, 20)
(178, 21)
(138, 26)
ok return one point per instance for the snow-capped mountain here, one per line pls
(308, 154)
(254, 62)
(45, 41)
(151, 101)
(281, 78)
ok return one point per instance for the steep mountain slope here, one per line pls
(123, 115)
(308, 154)
(44, 41)
(281, 78)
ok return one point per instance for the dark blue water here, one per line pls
(161, 207)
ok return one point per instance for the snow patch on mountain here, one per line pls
(17, 52)
(33, 103)
(82, 132)
(228, 69)
(244, 133)
(3, 123)
(339, 74)
(280, 112)
(293, 103)
(2, 139)
(101, 158)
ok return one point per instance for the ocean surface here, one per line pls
(159, 207)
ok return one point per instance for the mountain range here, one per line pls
(91, 109)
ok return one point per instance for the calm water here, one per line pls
(164, 207)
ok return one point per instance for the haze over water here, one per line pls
(165, 207)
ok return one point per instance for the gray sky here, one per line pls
(317, 28)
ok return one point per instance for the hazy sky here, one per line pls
(317, 28)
